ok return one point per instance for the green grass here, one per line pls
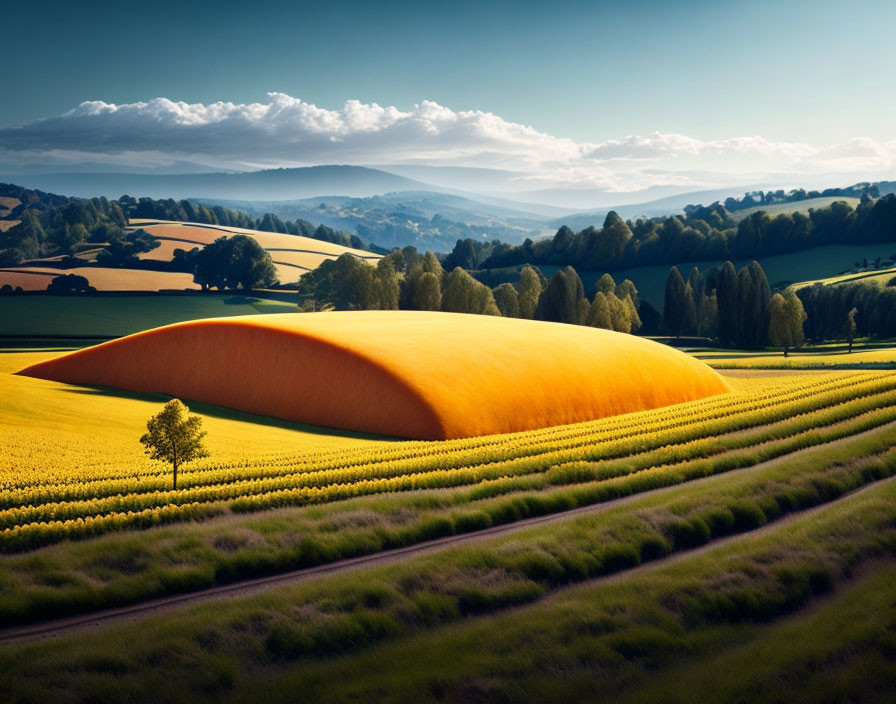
(881, 277)
(112, 316)
(494, 621)
(802, 206)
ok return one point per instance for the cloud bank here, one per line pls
(287, 131)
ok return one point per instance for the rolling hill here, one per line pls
(413, 374)
(293, 256)
(424, 219)
(269, 184)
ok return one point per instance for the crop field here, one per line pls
(293, 255)
(863, 356)
(101, 278)
(89, 524)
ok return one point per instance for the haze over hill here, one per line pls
(268, 184)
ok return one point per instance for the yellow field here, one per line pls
(292, 255)
(6, 224)
(103, 279)
(204, 234)
(45, 424)
(405, 373)
(882, 358)
(71, 465)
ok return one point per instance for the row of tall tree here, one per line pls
(849, 310)
(734, 306)
(706, 234)
(407, 280)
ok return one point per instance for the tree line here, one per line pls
(705, 234)
(736, 307)
(849, 310)
(52, 225)
(408, 280)
(754, 199)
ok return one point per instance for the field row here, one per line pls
(31, 480)
(696, 449)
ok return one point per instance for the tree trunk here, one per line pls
(785, 351)
(175, 475)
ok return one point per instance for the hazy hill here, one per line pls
(270, 184)
(424, 219)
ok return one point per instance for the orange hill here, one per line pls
(402, 373)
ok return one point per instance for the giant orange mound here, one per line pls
(402, 373)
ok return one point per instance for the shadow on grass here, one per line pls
(228, 413)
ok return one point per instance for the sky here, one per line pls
(616, 94)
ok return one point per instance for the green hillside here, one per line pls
(800, 206)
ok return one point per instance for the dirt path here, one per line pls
(134, 612)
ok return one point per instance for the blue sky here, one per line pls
(816, 73)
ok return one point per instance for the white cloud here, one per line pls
(287, 131)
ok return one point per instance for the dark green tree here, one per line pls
(530, 289)
(675, 308)
(850, 327)
(508, 300)
(563, 299)
(728, 310)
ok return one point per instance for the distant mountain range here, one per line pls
(425, 219)
(270, 184)
(429, 207)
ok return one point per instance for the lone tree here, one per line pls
(786, 318)
(174, 436)
(850, 327)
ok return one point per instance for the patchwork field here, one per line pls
(627, 551)
(292, 256)
(101, 278)
(89, 525)
(832, 356)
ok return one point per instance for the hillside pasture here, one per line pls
(101, 278)
(879, 277)
(205, 234)
(293, 255)
(800, 206)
